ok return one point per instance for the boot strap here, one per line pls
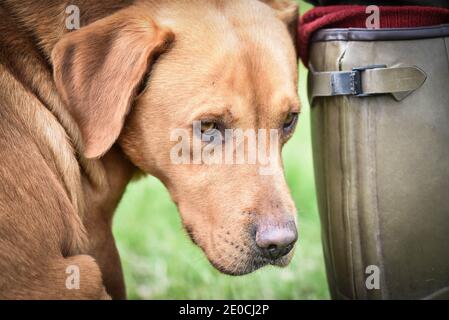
(367, 81)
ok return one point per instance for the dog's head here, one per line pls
(146, 75)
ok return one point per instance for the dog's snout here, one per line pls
(276, 241)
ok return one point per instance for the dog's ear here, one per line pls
(287, 11)
(99, 68)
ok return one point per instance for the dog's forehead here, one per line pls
(242, 55)
(243, 60)
(205, 28)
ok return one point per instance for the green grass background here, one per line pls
(160, 262)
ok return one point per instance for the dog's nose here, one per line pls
(275, 241)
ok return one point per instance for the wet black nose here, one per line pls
(276, 241)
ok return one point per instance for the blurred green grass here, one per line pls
(160, 262)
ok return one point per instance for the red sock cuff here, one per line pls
(355, 17)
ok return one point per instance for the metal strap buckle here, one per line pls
(356, 79)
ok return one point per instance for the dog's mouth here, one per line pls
(238, 266)
(242, 248)
(251, 266)
(236, 255)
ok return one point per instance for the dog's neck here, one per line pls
(103, 181)
(117, 172)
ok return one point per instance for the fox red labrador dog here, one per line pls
(84, 111)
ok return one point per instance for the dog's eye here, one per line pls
(208, 126)
(290, 121)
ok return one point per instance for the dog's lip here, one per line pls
(257, 263)
(281, 262)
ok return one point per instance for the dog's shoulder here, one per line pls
(39, 171)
